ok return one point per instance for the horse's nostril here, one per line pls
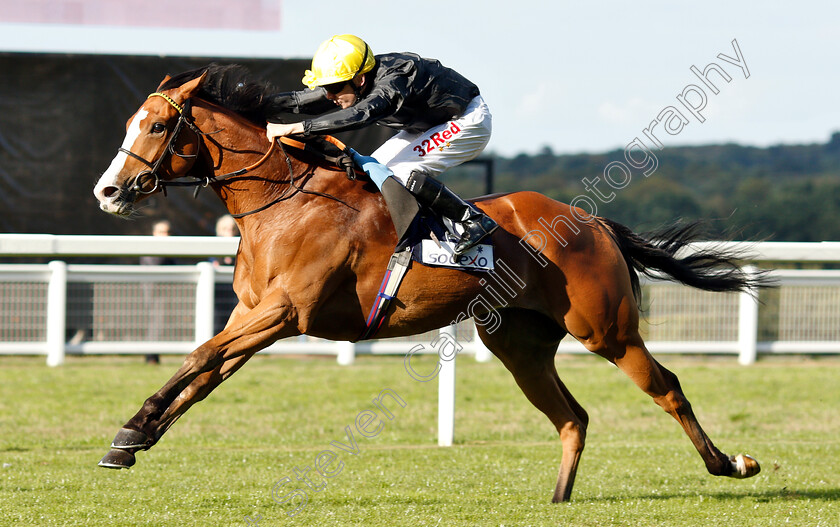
(110, 191)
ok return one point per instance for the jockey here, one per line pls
(441, 117)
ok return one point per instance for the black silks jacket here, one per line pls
(407, 93)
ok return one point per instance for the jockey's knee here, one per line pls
(422, 185)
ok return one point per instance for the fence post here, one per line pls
(482, 352)
(56, 313)
(205, 302)
(748, 323)
(446, 392)
(346, 352)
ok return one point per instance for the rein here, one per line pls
(185, 119)
(286, 194)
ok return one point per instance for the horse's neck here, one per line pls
(232, 143)
(343, 207)
(339, 201)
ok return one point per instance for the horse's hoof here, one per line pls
(116, 458)
(744, 466)
(126, 439)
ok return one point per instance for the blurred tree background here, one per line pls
(781, 193)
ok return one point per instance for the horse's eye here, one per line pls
(158, 128)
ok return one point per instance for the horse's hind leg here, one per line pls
(664, 387)
(617, 339)
(526, 343)
(604, 316)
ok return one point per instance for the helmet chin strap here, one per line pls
(357, 89)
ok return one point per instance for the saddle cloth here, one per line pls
(435, 246)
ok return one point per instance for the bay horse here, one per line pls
(315, 244)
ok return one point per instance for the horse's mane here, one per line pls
(232, 87)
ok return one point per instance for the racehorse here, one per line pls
(315, 244)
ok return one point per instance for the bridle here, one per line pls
(184, 119)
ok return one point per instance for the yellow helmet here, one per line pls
(339, 59)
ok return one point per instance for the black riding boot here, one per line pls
(434, 195)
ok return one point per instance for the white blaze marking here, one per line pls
(109, 177)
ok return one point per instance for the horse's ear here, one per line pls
(188, 88)
(164, 81)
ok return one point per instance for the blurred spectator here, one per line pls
(225, 228)
(160, 228)
(154, 303)
(225, 297)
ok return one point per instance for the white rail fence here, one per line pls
(58, 308)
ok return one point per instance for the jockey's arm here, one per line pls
(365, 112)
(310, 102)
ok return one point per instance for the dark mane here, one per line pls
(232, 87)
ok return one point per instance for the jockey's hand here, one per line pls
(377, 172)
(365, 162)
(275, 130)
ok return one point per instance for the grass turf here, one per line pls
(222, 462)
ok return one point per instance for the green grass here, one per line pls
(219, 463)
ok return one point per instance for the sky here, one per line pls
(571, 76)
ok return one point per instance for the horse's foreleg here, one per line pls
(203, 370)
(199, 389)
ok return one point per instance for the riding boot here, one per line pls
(433, 194)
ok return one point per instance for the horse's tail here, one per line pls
(708, 269)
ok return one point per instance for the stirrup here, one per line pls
(475, 229)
